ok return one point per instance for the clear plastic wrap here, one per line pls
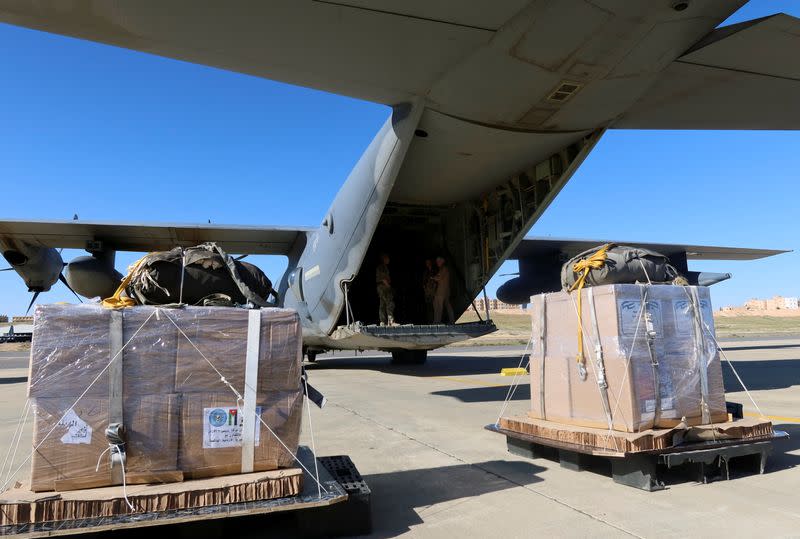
(651, 382)
(173, 401)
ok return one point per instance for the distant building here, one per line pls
(755, 305)
(3, 318)
(494, 305)
(775, 303)
(22, 320)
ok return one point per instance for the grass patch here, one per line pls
(740, 326)
(514, 329)
(503, 321)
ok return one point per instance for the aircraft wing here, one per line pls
(151, 237)
(533, 247)
(743, 76)
(379, 51)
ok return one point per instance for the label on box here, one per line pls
(222, 427)
(650, 405)
(78, 430)
(667, 403)
(684, 315)
(629, 317)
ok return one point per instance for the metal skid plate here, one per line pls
(708, 460)
(310, 499)
(353, 517)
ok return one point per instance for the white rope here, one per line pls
(183, 274)
(124, 484)
(513, 387)
(239, 399)
(85, 391)
(106, 450)
(313, 443)
(639, 318)
(22, 416)
(645, 271)
(725, 356)
(15, 440)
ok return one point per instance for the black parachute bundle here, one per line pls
(201, 275)
(620, 264)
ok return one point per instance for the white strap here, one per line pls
(701, 349)
(600, 367)
(249, 421)
(542, 352)
(115, 386)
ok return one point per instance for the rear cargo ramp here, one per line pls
(406, 336)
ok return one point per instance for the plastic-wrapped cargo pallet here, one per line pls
(177, 413)
(658, 365)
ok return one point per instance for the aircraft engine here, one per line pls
(542, 274)
(39, 267)
(520, 289)
(93, 276)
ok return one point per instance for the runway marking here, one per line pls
(775, 417)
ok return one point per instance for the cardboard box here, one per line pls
(221, 335)
(69, 349)
(211, 433)
(72, 345)
(644, 390)
(77, 441)
(164, 377)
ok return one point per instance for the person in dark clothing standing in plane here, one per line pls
(383, 281)
(441, 299)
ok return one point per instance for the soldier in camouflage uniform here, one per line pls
(383, 282)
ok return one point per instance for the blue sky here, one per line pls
(112, 134)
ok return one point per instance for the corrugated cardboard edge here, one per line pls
(663, 423)
(21, 506)
(633, 442)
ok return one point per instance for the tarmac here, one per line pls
(416, 434)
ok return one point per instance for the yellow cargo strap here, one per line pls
(596, 261)
(117, 301)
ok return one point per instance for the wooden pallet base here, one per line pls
(339, 507)
(604, 442)
(705, 460)
(21, 506)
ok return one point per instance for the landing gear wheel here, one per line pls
(311, 356)
(409, 357)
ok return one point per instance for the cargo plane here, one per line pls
(494, 106)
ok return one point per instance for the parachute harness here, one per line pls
(118, 301)
(584, 267)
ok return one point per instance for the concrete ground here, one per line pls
(416, 434)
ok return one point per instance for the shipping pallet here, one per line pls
(343, 510)
(645, 470)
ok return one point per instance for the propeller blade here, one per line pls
(240, 257)
(33, 300)
(64, 280)
(6, 269)
(507, 274)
